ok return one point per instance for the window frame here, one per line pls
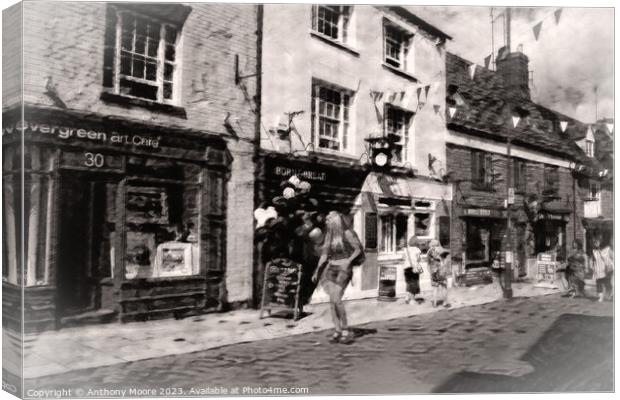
(343, 121)
(392, 217)
(590, 148)
(404, 44)
(519, 175)
(403, 143)
(161, 59)
(549, 172)
(343, 25)
(482, 170)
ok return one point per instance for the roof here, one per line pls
(485, 108)
(411, 17)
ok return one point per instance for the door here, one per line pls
(85, 232)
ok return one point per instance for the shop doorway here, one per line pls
(85, 243)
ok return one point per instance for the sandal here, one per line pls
(335, 337)
(346, 339)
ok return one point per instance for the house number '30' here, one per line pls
(94, 160)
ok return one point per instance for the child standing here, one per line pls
(413, 270)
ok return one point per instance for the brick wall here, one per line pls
(464, 195)
(64, 43)
(607, 203)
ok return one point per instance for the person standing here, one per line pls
(437, 261)
(342, 250)
(576, 270)
(602, 266)
(413, 270)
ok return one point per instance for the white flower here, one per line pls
(288, 193)
(294, 180)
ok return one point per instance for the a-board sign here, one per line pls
(546, 263)
(281, 286)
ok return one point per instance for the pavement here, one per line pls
(527, 344)
(78, 348)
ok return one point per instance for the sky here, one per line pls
(568, 60)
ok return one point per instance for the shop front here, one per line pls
(123, 221)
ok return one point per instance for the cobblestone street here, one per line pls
(545, 343)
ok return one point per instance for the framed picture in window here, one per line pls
(147, 205)
(174, 259)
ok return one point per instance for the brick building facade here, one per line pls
(135, 123)
(489, 115)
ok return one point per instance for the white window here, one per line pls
(393, 232)
(332, 21)
(396, 43)
(397, 125)
(589, 148)
(330, 117)
(145, 57)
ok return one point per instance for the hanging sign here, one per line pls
(281, 287)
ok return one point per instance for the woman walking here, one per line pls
(603, 267)
(413, 270)
(576, 270)
(342, 250)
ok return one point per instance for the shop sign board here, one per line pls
(281, 286)
(387, 283)
(546, 266)
(485, 212)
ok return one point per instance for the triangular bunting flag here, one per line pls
(472, 71)
(558, 14)
(537, 29)
(563, 125)
(610, 128)
(419, 90)
(487, 61)
(452, 111)
(426, 89)
(436, 107)
(515, 121)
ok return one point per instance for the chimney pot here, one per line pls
(513, 68)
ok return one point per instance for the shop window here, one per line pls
(397, 124)
(332, 21)
(595, 191)
(141, 59)
(422, 224)
(396, 42)
(551, 180)
(331, 109)
(482, 170)
(162, 238)
(393, 233)
(519, 175)
(590, 148)
(551, 237)
(477, 242)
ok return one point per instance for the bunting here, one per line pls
(426, 89)
(436, 107)
(563, 125)
(452, 111)
(537, 29)
(419, 90)
(487, 61)
(472, 71)
(557, 14)
(610, 128)
(515, 121)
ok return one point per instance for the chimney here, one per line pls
(512, 67)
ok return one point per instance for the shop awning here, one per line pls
(598, 223)
(406, 187)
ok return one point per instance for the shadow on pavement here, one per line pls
(574, 355)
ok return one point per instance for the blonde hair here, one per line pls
(334, 232)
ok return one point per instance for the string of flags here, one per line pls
(537, 28)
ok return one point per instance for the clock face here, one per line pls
(381, 159)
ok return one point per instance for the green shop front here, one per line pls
(123, 221)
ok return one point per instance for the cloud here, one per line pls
(567, 61)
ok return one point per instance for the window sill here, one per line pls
(334, 43)
(483, 189)
(399, 72)
(152, 105)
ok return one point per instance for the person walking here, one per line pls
(437, 262)
(342, 250)
(576, 270)
(602, 266)
(413, 270)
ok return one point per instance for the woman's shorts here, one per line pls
(338, 272)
